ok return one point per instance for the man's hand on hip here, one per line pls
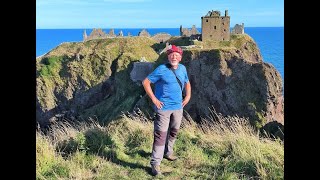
(158, 103)
(185, 101)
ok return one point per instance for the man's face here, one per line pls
(174, 58)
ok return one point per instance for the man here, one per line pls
(168, 102)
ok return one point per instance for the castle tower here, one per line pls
(194, 30)
(238, 29)
(85, 35)
(242, 28)
(111, 33)
(215, 27)
(181, 30)
(120, 34)
(144, 33)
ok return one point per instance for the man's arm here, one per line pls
(188, 94)
(147, 87)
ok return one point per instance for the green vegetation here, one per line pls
(51, 66)
(75, 68)
(86, 65)
(237, 41)
(227, 148)
(127, 92)
(258, 119)
(180, 41)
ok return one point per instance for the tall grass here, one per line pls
(218, 148)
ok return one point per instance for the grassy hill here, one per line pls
(91, 78)
(228, 148)
(78, 80)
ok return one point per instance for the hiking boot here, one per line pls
(171, 157)
(155, 170)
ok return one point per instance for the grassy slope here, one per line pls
(121, 150)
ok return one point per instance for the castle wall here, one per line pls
(215, 28)
(161, 37)
(187, 33)
(238, 29)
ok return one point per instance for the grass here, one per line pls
(219, 148)
(73, 69)
(236, 42)
(51, 66)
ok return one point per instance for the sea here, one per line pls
(270, 40)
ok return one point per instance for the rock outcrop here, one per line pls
(92, 79)
(97, 84)
(226, 82)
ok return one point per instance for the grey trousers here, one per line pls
(165, 133)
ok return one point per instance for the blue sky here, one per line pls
(63, 14)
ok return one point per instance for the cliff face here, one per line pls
(92, 79)
(78, 80)
(224, 81)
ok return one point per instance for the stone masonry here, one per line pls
(215, 27)
(98, 34)
(187, 33)
(238, 29)
(144, 33)
(161, 37)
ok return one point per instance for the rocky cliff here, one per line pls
(78, 80)
(92, 79)
(232, 85)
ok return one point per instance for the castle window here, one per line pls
(222, 23)
(215, 27)
(222, 39)
(210, 35)
(224, 30)
(206, 20)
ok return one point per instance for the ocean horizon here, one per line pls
(270, 40)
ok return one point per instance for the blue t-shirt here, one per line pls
(167, 88)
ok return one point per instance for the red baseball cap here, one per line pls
(174, 49)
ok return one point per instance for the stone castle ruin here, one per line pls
(161, 37)
(120, 34)
(238, 29)
(144, 33)
(187, 33)
(214, 27)
(193, 33)
(98, 34)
